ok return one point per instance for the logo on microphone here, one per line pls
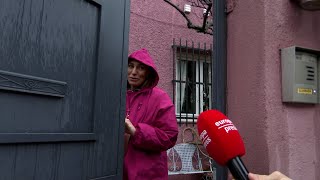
(205, 138)
(226, 124)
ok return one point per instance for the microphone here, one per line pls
(223, 142)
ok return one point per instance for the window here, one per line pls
(192, 83)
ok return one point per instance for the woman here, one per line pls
(151, 126)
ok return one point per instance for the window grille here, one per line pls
(192, 80)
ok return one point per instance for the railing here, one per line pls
(190, 157)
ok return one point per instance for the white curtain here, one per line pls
(181, 75)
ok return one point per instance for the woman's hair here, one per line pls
(151, 77)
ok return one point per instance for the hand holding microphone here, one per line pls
(273, 176)
(222, 142)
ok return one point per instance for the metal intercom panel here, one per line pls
(299, 75)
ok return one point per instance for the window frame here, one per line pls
(200, 56)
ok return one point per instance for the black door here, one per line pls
(62, 88)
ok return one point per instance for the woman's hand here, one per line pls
(130, 129)
(274, 176)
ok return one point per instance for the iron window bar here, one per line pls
(194, 84)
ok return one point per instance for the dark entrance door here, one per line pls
(62, 88)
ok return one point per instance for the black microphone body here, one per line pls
(238, 169)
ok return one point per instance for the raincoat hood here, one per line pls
(144, 57)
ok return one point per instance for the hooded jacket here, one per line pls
(152, 113)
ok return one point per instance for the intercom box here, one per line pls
(300, 81)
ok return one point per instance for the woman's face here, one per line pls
(137, 74)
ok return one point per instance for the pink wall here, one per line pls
(277, 136)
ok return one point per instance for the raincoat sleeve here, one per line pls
(162, 133)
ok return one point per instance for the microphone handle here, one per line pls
(238, 169)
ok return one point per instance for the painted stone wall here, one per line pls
(278, 136)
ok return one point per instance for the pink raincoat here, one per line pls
(152, 112)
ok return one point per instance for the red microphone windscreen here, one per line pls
(219, 136)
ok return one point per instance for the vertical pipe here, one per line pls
(219, 66)
(219, 57)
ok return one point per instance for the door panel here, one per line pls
(62, 88)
